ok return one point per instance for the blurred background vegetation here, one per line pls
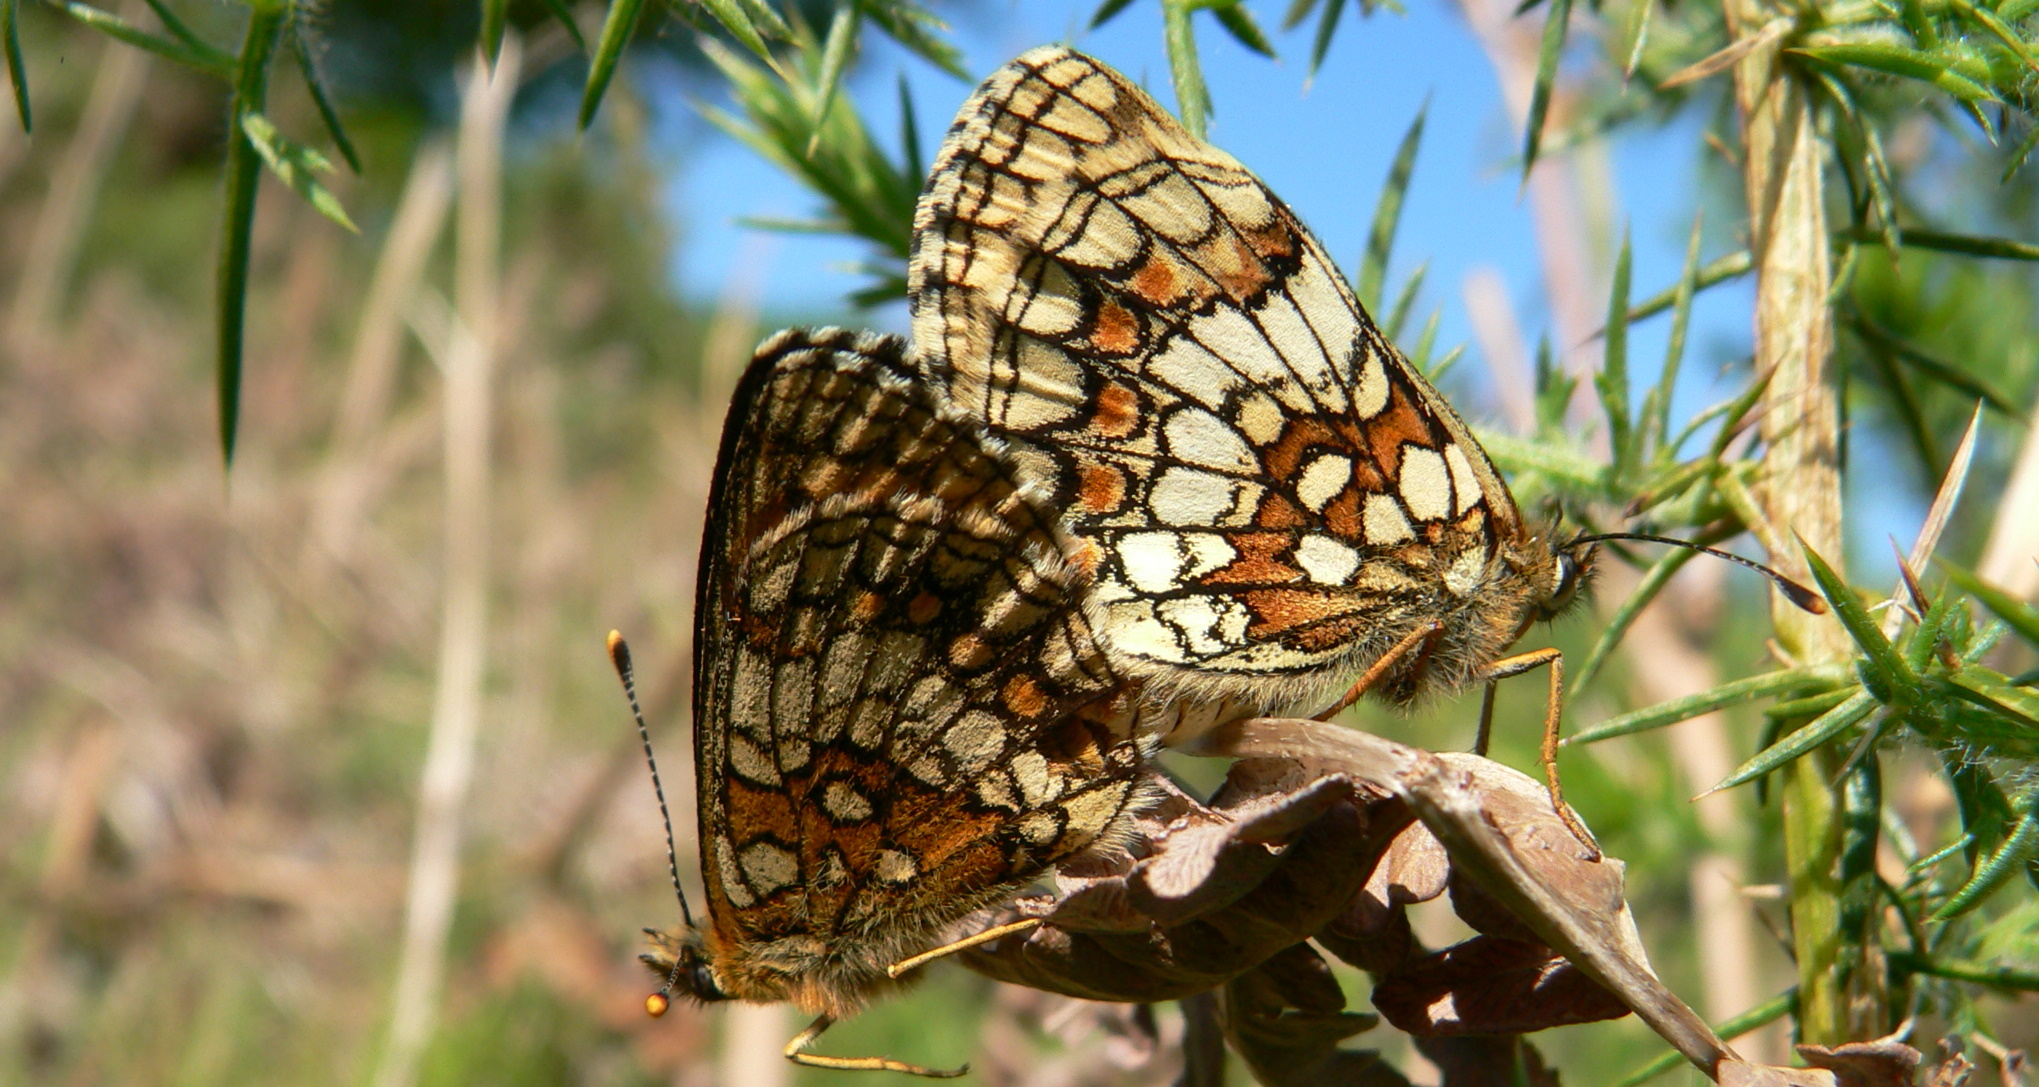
(311, 768)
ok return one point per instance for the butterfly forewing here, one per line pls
(1271, 491)
(900, 707)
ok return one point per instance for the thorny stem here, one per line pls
(1839, 988)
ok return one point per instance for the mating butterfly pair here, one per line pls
(1147, 467)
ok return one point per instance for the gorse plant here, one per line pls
(1876, 156)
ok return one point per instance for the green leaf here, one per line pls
(1886, 671)
(295, 165)
(1298, 10)
(1611, 379)
(1975, 973)
(1555, 26)
(1192, 97)
(616, 27)
(494, 16)
(317, 87)
(2017, 851)
(1106, 11)
(2022, 617)
(201, 58)
(243, 169)
(17, 74)
(1934, 68)
(1238, 22)
(1732, 693)
(1387, 213)
(1814, 734)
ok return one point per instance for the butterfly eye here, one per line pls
(1566, 575)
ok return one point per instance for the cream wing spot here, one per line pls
(1425, 483)
(1370, 397)
(1322, 480)
(1231, 336)
(726, 870)
(844, 803)
(1466, 573)
(1187, 367)
(1208, 551)
(1186, 496)
(1297, 343)
(1327, 561)
(1198, 437)
(896, 866)
(1465, 483)
(1152, 560)
(1384, 522)
(1261, 420)
(769, 867)
(975, 740)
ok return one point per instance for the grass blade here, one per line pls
(1327, 26)
(2018, 850)
(1192, 97)
(1717, 271)
(738, 22)
(1821, 729)
(494, 16)
(1555, 26)
(616, 27)
(1762, 1015)
(1239, 23)
(1611, 379)
(1659, 420)
(1885, 669)
(296, 166)
(564, 14)
(1387, 214)
(2022, 617)
(1646, 590)
(317, 87)
(201, 58)
(1107, 11)
(1896, 60)
(17, 73)
(1969, 245)
(1733, 693)
(835, 58)
(243, 171)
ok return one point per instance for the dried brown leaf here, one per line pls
(1491, 985)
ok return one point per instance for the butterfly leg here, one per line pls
(1552, 719)
(796, 1051)
(1413, 640)
(964, 944)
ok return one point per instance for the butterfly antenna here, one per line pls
(619, 655)
(1798, 594)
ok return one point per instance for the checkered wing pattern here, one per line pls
(892, 675)
(1273, 496)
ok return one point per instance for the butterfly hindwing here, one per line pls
(1271, 490)
(891, 667)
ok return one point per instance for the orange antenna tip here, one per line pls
(656, 1004)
